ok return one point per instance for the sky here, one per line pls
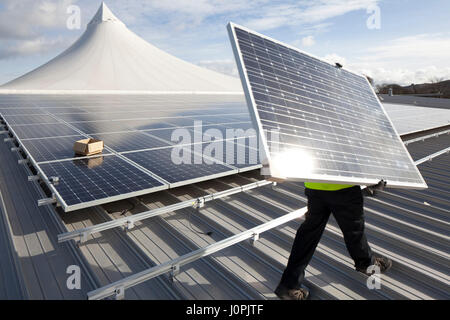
(392, 41)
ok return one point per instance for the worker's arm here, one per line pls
(371, 191)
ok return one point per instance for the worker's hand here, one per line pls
(372, 191)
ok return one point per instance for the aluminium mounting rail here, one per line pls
(433, 135)
(432, 156)
(117, 288)
(128, 222)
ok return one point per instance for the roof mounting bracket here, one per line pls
(174, 272)
(83, 238)
(47, 201)
(33, 178)
(8, 139)
(338, 65)
(274, 185)
(13, 149)
(129, 224)
(254, 239)
(23, 161)
(200, 203)
(54, 180)
(119, 293)
(4, 131)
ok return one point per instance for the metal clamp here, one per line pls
(54, 180)
(200, 203)
(33, 178)
(254, 239)
(119, 293)
(8, 139)
(23, 161)
(47, 201)
(83, 238)
(129, 225)
(13, 149)
(174, 272)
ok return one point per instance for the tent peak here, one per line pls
(104, 14)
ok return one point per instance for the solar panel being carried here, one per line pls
(152, 142)
(318, 122)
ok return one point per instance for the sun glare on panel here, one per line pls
(292, 163)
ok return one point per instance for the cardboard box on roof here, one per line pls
(87, 147)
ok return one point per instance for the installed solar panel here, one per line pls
(318, 122)
(161, 162)
(137, 132)
(89, 181)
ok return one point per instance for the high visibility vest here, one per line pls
(326, 186)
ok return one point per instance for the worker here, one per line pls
(346, 204)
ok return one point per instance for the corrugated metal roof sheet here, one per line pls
(411, 227)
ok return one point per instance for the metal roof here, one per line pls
(416, 101)
(409, 119)
(411, 227)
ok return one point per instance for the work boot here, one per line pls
(383, 263)
(291, 294)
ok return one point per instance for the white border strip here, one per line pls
(115, 92)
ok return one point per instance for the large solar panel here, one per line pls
(138, 134)
(318, 122)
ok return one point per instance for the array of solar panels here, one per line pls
(139, 151)
(324, 113)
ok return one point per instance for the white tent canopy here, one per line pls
(110, 57)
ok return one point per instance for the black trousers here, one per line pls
(347, 208)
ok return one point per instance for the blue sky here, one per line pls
(411, 45)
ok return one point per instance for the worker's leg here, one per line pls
(348, 210)
(306, 240)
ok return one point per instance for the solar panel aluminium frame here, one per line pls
(251, 104)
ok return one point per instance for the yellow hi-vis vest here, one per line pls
(326, 186)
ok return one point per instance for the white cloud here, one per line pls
(39, 45)
(26, 18)
(406, 60)
(308, 41)
(305, 12)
